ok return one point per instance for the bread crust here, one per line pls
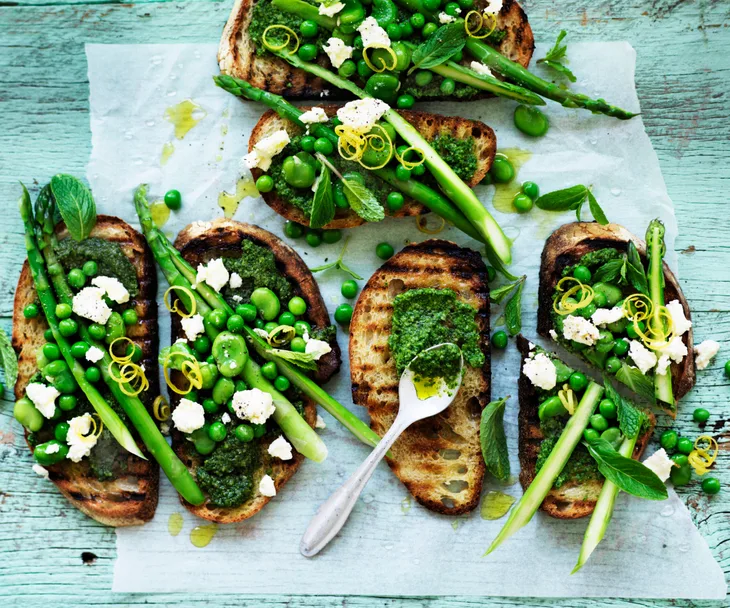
(572, 500)
(131, 499)
(237, 55)
(429, 125)
(200, 242)
(568, 244)
(438, 459)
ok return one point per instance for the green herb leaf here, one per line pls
(555, 56)
(578, 209)
(493, 439)
(628, 474)
(635, 271)
(8, 360)
(439, 46)
(75, 204)
(338, 264)
(596, 210)
(560, 68)
(639, 383)
(303, 360)
(362, 201)
(513, 311)
(630, 417)
(610, 271)
(323, 204)
(500, 293)
(562, 200)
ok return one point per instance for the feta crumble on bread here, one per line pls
(214, 273)
(280, 448)
(444, 18)
(314, 115)
(480, 68)
(89, 303)
(188, 416)
(330, 10)
(253, 405)
(94, 354)
(645, 359)
(372, 34)
(675, 351)
(580, 330)
(113, 288)
(540, 370)
(43, 397)
(360, 115)
(235, 281)
(265, 149)
(192, 326)
(337, 51)
(680, 323)
(79, 439)
(493, 7)
(266, 486)
(317, 348)
(605, 316)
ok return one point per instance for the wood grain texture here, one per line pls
(682, 80)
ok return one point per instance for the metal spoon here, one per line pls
(333, 514)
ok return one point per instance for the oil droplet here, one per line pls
(160, 213)
(167, 149)
(427, 387)
(184, 116)
(504, 193)
(496, 504)
(175, 524)
(405, 505)
(224, 129)
(367, 498)
(200, 536)
(455, 524)
(218, 158)
(229, 202)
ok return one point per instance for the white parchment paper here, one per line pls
(391, 545)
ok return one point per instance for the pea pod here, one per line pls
(550, 408)
(351, 16)
(385, 12)
(223, 390)
(297, 171)
(114, 327)
(230, 353)
(203, 443)
(403, 57)
(613, 436)
(209, 373)
(383, 86)
(181, 349)
(612, 292)
(266, 302)
(46, 458)
(27, 414)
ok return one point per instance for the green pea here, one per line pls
(97, 331)
(598, 422)
(298, 345)
(269, 370)
(210, 406)
(92, 374)
(423, 77)
(382, 86)
(457, 57)
(631, 330)
(402, 173)
(307, 143)
(395, 201)
(259, 430)
(313, 238)
(522, 203)
(61, 431)
(297, 306)
(203, 443)
(90, 268)
(135, 351)
(65, 383)
(293, 230)
(76, 278)
(608, 409)
(582, 273)
(324, 146)
(192, 395)
(48, 335)
(384, 251)
(588, 310)
(26, 413)
(58, 452)
(669, 440)
(405, 102)
(347, 69)
(173, 199)
(550, 408)
(308, 28)
(343, 314)
(281, 383)
(130, 317)
(244, 433)
(67, 402)
(613, 436)
(613, 364)
(682, 474)
(502, 171)
(499, 339)
(114, 327)
(680, 460)
(302, 327)
(531, 121)
(590, 435)
(63, 310)
(578, 381)
(394, 31)
(432, 5)
(217, 318)
(201, 344)
(31, 311)
(307, 52)
(230, 353)
(349, 289)
(363, 69)
(711, 485)
(701, 415)
(612, 292)
(727, 369)
(685, 445)
(417, 20)
(259, 323)
(331, 236)
(266, 302)
(599, 299)
(265, 184)
(217, 431)
(298, 171)
(223, 390)
(447, 86)
(54, 368)
(620, 347)
(235, 324)
(406, 29)
(452, 9)
(51, 352)
(79, 350)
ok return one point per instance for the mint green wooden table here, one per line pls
(50, 554)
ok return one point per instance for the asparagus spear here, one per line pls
(48, 303)
(655, 249)
(175, 470)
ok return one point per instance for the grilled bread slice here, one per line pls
(572, 241)
(438, 459)
(429, 125)
(237, 54)
(131, 498)
(573, 499)
(201, 242)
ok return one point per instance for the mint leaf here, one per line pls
(75, 204)
(338, 264)
(639, 383)
(562, 200)
(323, 204)
(8, 360)
(609, 272)
(303, 360)
(596, 210)
(439, 46)
(635, 272)
(493, 439)
(554, 58)
(362, 201)
(630, 417)
(513, 311)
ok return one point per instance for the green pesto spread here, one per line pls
(257, 268)
(265, 14)
(581, 467)
(432, 89)
(227, 474)
(109, 257)
(425, 317)
(444, 363)
(458, 153)
(594, 259)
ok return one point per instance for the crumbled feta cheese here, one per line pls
(53, 448)
(680, 323)
(362, 114)
(660, 463)
(580, 330)
(43, 397)
(214, 273)
(89, 303)
(313, 116)
(40, 471)
(225, 418)
(705, 352)
(266, 486)
(280, 448)
(188, 416)
(264, 150)
(444, 18)
(541, 371)
(94, 354)
(554, 335)
(78, 438)
(604, 316)
(330, 10)
(480, 68)
(235, 281)
(372, 34)
(192, 326)
(113, 288)
(320, 423)
(317, 348)
(642, 356)
(493, 7)
(662, 365)
(254, 405)
(261, 333)
(165, 428)
(674, 351)
(337, 51)
(236, 298)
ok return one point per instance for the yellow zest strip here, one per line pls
(96, 427)
(562, 306)
(637, 307)
(352, 145)
(422, 225)
(469, 24)
(174, 307)
(126, 358)
(567, 398)
(130, 375)
(410, 164)
(190, 369)
(283, 334)
(384, 65)
(290, 35)
(657, 336)
(161, 409)
(700, 458)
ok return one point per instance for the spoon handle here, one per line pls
(333, 513)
